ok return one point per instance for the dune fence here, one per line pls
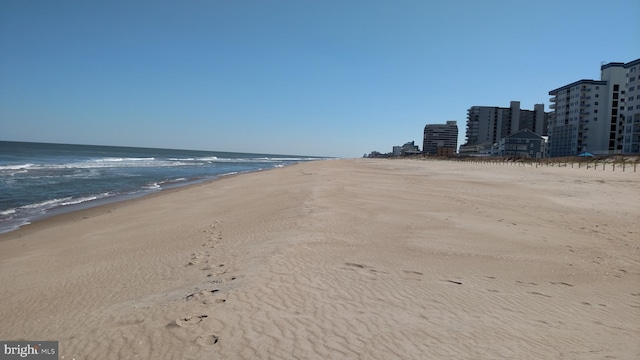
(624, 164)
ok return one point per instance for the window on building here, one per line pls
(630, 108)
(616, 87)
(632, 88)
(597, 95)
(595, 111)
(615, 95)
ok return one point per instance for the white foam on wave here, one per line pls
(16, 167)
(46, 204)
(116, 159)
(152, 186)
(116, 163)
(78, 200)
(7, 212)
(53, 203)
(208, 158)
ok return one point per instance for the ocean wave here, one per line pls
(78, 200)
(96, 164)
(173, 181)
(152, 186)
(46, 204)
(15, 167)
(116, 159)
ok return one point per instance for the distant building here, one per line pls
(598, 116)
(490, 124)
(440, 139)
(408, 148)
(524, 144)
(487, 148)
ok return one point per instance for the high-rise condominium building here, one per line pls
(597, 116)
(631, 128)
(489, 124)
(440, 138)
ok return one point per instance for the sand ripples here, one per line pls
(341, 260)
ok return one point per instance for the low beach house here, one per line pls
(524, 144)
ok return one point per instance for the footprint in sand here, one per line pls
(207, 340)
(189, 320)
(200, 295)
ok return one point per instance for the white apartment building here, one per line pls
(631, 132)
(588, 115)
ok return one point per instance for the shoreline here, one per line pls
(339, 259)
(117, 199)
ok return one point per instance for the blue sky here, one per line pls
(326, 78)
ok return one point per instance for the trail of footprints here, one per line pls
(204, 260)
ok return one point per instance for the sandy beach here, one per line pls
(340, 259)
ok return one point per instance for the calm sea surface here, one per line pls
(38, 179)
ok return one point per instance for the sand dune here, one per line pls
(345, 259)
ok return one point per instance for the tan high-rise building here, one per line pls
(440, 139)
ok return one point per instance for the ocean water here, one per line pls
(39, 180)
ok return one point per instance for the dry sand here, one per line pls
(345, 259)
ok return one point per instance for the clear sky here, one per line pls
(308, 77)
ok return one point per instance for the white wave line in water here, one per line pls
(116, 159)
(16, 167)
(79, 200)
(152, 186)
(44, 204)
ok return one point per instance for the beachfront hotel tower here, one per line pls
(487, 125)
(601, 117)
(441, 139)
(631, 128)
